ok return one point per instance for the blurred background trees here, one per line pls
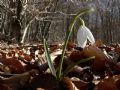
(51, 18)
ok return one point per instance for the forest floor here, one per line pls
(24, 67)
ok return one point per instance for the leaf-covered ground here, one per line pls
(24, 67)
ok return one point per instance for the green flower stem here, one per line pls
(69, 31)
(81, 22)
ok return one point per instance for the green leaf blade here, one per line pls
(48, 58)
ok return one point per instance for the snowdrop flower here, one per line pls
(83, 35)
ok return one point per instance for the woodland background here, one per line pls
(51, 18)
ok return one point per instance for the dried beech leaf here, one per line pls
(27, 57)
(109, 83)
(14, 65)
(100, 58)
(80, 84)
(76, 56)
(67, 84)
(70, 45)
(98, 43)
(46, 81)
(5, 87)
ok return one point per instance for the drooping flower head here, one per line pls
(84, 34)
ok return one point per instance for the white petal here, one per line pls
(89, 35)
(81, 37)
